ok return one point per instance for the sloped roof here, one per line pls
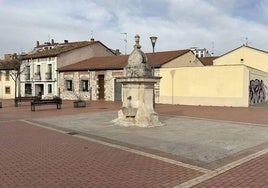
(119, 62)
(207, 61)
(242, 47)
(9, 65)
(61, 48)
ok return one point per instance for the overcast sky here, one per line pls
(218, 25)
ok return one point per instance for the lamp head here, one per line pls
(153, 40)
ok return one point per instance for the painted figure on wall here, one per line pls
(257, 91)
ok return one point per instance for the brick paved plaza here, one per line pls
(74, 147)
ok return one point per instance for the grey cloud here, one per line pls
(177, 23)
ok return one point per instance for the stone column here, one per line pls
(138, 87)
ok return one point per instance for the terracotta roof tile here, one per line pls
(8, 65)
(207, 61)
(59, 49)
(119, 62)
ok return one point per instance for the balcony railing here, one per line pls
(37, 76)
(27, 76)
(48, 75)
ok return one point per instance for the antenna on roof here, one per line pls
(247, 41)
(212, 48)
(125, 40)
(91, 33)
(92, 37)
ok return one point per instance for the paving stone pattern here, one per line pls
(248, 175)
(35, 157)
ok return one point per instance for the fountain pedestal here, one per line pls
(138, 92)
(137, 109)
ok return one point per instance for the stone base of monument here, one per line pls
(137, 109)
(138, 91)
(139, 117)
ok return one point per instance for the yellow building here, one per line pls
(245, 55)
(237, 78)
(7, 84)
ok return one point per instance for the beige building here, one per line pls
(245, 55)
(41, 77)
(7, 84)
(95, 78)
(237, 78)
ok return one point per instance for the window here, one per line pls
(84, 85)
(38, 69)
(49, 88)
(49, 72)
(28, 89)
(27, 73)
(69, 85)
(0, 75)
(7, 75)
(7, 90)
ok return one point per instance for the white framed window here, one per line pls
(49, 88)
(84, 85)
(69, 85)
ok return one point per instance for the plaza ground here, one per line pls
(80, 147)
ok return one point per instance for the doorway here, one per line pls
(101, 87)
(117, 91)
(39, 90)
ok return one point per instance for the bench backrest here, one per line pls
(56, 100)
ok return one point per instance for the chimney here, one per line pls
(92, 40)
(52, 41)
(37, 44)
(117, 52)
(65, 41)
(7, 57)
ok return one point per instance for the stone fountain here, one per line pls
(138, 91)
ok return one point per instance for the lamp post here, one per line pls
(153, 41)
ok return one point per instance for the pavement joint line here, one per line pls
(221, 170)
(178, 163)
(42, 126)
(4, 121)
(218, 120)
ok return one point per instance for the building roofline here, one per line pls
(50, 52)
(242, 47)
(121, 62)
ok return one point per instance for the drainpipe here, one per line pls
(90, 89)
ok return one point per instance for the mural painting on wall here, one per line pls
(257, 91)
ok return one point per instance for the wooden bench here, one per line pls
(27, 98)
(39, 102)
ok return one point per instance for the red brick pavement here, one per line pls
(257, 115)
(248, 175)
(9, 112)
(35, 157)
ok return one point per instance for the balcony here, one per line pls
(48, 75)
(27, 76)
(37, 76)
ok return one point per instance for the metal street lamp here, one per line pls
(153, 41)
